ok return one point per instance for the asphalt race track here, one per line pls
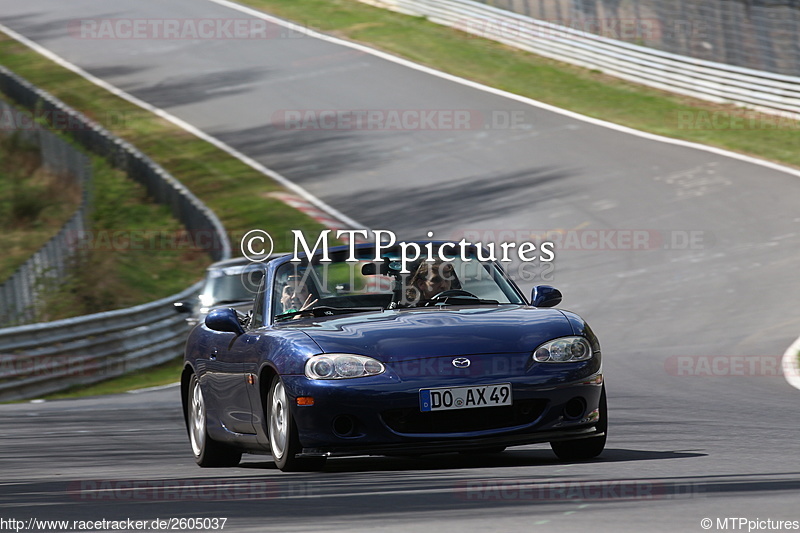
(712, 290)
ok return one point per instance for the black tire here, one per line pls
(284, 442)
(585, 449)
(207, 451)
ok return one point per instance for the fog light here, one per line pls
(344, 426)
(575, 408)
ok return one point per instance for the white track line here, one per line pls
(156, 388)
(498, 92)
(185, 126)
(794, 380)
(791, 364)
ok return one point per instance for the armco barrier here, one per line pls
(755, 34)
(160, 185)
(37, 359)
(717, 82)
(20, 294)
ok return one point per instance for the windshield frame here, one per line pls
(322, 289)
(229, 277)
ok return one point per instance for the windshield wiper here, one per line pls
(462, 300)
(325, 310)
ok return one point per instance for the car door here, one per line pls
(227, 381)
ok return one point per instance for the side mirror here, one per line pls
(342, 288)
(373, 269)
(182, 307)
(545, 296)
(225, 320)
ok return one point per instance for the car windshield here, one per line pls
(230, 285)
(341, 286)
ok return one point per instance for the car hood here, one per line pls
(406, 334)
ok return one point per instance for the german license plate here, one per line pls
(445, 399)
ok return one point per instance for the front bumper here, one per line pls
(454, 445)
(380, 415)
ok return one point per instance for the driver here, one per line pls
(296, 295)
(430, 279)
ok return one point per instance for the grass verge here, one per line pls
(34, 203)
(578, 89)
(237, 193)
(112, 273)
(163, 374)
(117, 270)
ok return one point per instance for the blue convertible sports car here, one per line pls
(366, 355)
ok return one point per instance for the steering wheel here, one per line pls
(451, 292)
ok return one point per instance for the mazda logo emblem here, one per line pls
(461, 362)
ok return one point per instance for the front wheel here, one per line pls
(207, 451)
(284, 442)
(584, 449)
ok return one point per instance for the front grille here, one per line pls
(464, 420)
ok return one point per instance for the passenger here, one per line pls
(296, 295)
(429, 280)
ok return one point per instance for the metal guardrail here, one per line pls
(755, 34)
(38, 359)
(717, 82)
(20, 293)
(160, 185)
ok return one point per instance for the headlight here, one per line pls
(342, 366)
(563, 350)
